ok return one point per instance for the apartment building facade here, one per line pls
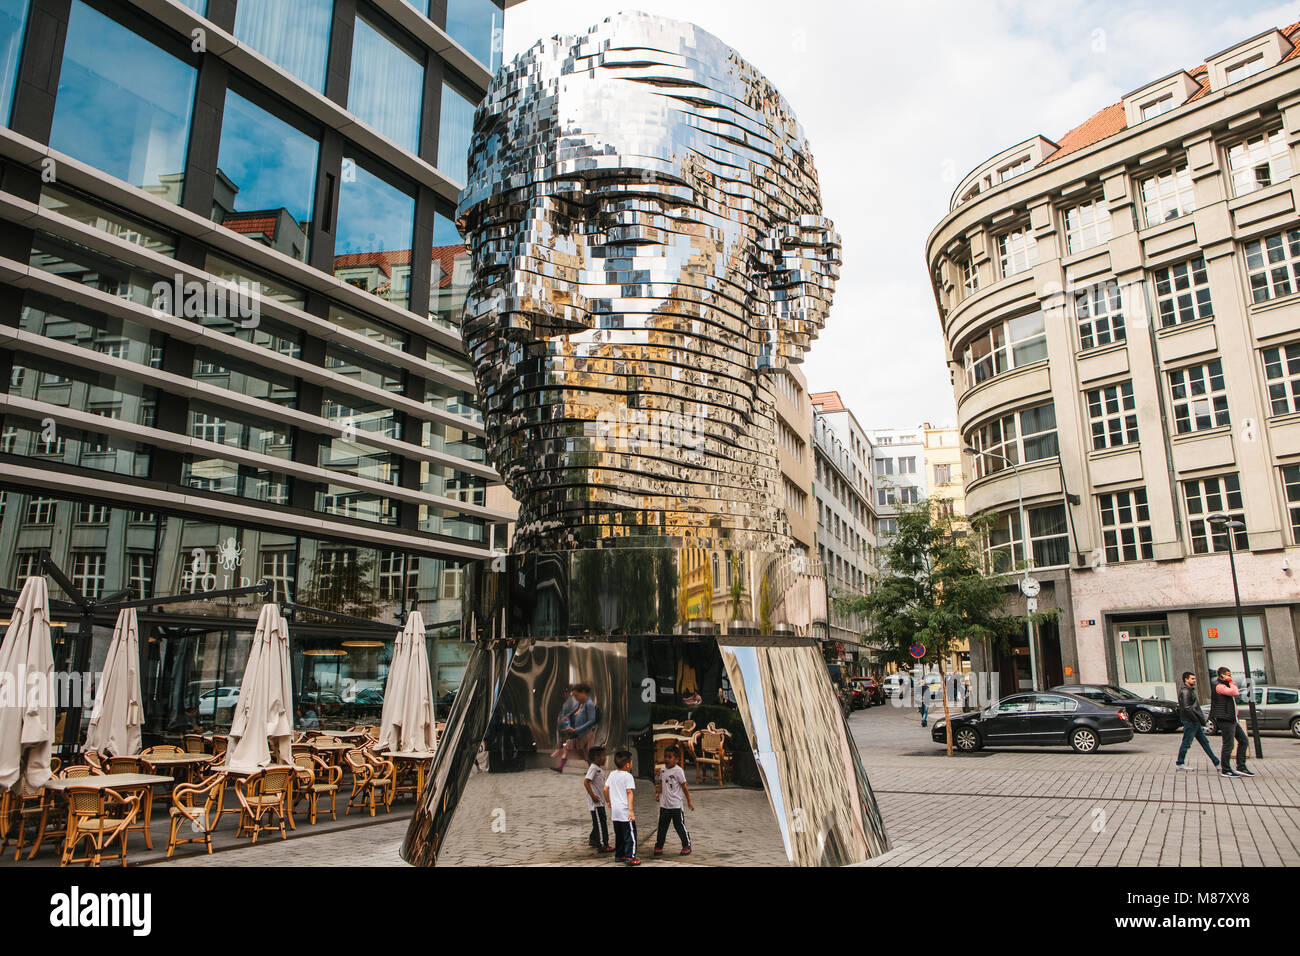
(846, 521)
(943, 468)
(1122, 316)
(898, 467)
(229, 322)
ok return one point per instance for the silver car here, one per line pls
(1278, 709)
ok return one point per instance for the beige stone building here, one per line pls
(794, 427)
(943, 467)
(1122, 315)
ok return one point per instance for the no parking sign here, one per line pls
(917, 651)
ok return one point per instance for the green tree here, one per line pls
(931, 589)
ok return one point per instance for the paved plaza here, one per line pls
(1033, 807)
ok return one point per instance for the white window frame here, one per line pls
(1099, 313)
(1126, 525)
(1282, 377)
(1012, 343)
(1166, 103)
(1205, 496)
(1017, 251)
(89, 571)
(1168, 195)
(1087, 226)
(1005, 436)
(1182, 292)
(1256, 158)
(1242, 69)
(1199, 397)
(1112, 415)
(1273, 265)
(1011, 540)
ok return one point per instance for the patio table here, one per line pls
(142, 783)
(420, 760)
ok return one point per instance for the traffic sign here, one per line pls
(917, 651)
(1123, 636)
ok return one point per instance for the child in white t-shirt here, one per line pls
(620, 789)
(594, 785)
(670, 789)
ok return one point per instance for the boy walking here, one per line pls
(669, 790)
(594, 785)
(1223, 711)
(619, 791)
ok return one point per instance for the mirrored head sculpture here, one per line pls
(649, 251)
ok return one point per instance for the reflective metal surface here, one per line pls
(648, 249)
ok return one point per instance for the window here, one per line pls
(1291, 488)
(88, 572)
(1143, 653)
(908, 495)
(270, 165)
(455, 128)
(888, 526)
(1247, 67)
(1048, 536)
(13, 20)
(970, 277)
(1007, 345)
(376, 224)
(476, 25)
(1200, 398)
(123, 105)
(139, 574)
(1017, 251)
(1087, 226)
(943, 474)
(1282, 374)
(280, 569)
(884, 466)
(1112, 414)
(1183, 292)
(25, 566)
(1259, 162)
(387, 86)
(1162, 104)
(1025, 436)
(40, 510)
(1168, 195)
(1273, 265)
(1206, 496)
(907, 466)
(449, 587)
(207, 427)
(88, 513)
(293, 34)
(1126, 525)
(1014, 169)
(1100, 311)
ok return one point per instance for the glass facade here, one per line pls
(123, 104)
(455, 127)
(266, 177)
(13, 21)
(387, 86)
(476, 25)
(292, 34)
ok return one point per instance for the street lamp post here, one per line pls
(1230, 527)
(1026, 583)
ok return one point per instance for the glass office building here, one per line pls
(229, 325)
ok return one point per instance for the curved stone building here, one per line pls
(1121, 309)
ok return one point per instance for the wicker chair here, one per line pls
(18, 808)
(78, 770)
(316, 779)
(372, 777)
(94, 761)
(161, 750)
(710, 754)
(100, 817)
(264, 794)
(123, 765)
(195, 744)
(219, 742)
(56, 764)
(199, 806)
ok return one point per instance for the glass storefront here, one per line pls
(1221, 638)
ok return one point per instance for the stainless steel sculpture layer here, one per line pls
(649, 249)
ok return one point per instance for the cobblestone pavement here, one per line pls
(1043, 806)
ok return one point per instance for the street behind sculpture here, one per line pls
(649, 255)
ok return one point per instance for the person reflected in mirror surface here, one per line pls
(577, 727)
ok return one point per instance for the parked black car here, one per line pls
(1038, 720)
(1148, 714)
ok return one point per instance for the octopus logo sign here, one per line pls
(917, 651)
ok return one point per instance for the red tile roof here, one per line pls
(385, 261)
(1111, 120)
(827, 401)
(251, 225)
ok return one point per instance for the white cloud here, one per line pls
(899, 102)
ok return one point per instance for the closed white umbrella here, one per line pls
(265, 699)
(117, 715)
(407, 721)
(26, 685)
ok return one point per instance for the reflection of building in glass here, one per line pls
(259, 417)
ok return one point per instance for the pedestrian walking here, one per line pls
(594, 786)
(577, 726)
(921, 688)
(619, 791)
(1223, 711)
(1193, 718)
(670, 789)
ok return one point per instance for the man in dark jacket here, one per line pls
(1223, 711)
(1189, 710)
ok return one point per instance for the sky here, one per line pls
(899, 101)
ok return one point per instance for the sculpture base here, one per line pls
(768, 697)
